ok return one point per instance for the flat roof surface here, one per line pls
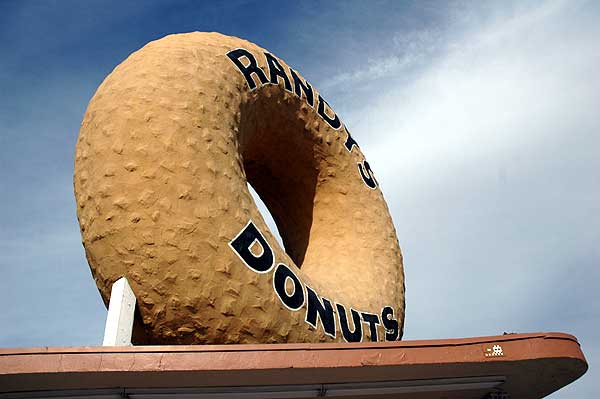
(514, 365)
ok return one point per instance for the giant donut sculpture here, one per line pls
(166, 150)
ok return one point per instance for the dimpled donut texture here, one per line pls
(166, 149)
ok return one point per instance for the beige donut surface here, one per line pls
(166, 149)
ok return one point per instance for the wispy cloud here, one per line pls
(514, 80)
(487, 154)
(408, 51)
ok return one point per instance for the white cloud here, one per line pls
(488, 158)
(511, 82)
(409, 50)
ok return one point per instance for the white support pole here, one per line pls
(119, 321)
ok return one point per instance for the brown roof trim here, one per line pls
(287, 347)
(532, 365)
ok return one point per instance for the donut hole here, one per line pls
(281, 163)
(264, 211)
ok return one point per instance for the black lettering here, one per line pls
(276, 70)
(349, 143)
(300, 87)
(367, 174)
(323, 310)
(280, 277)
(349, 336)
(247, 70)
(373, 321)
(245, 240)
(333, 122)
(390, 324)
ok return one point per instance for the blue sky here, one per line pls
(481, 122)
